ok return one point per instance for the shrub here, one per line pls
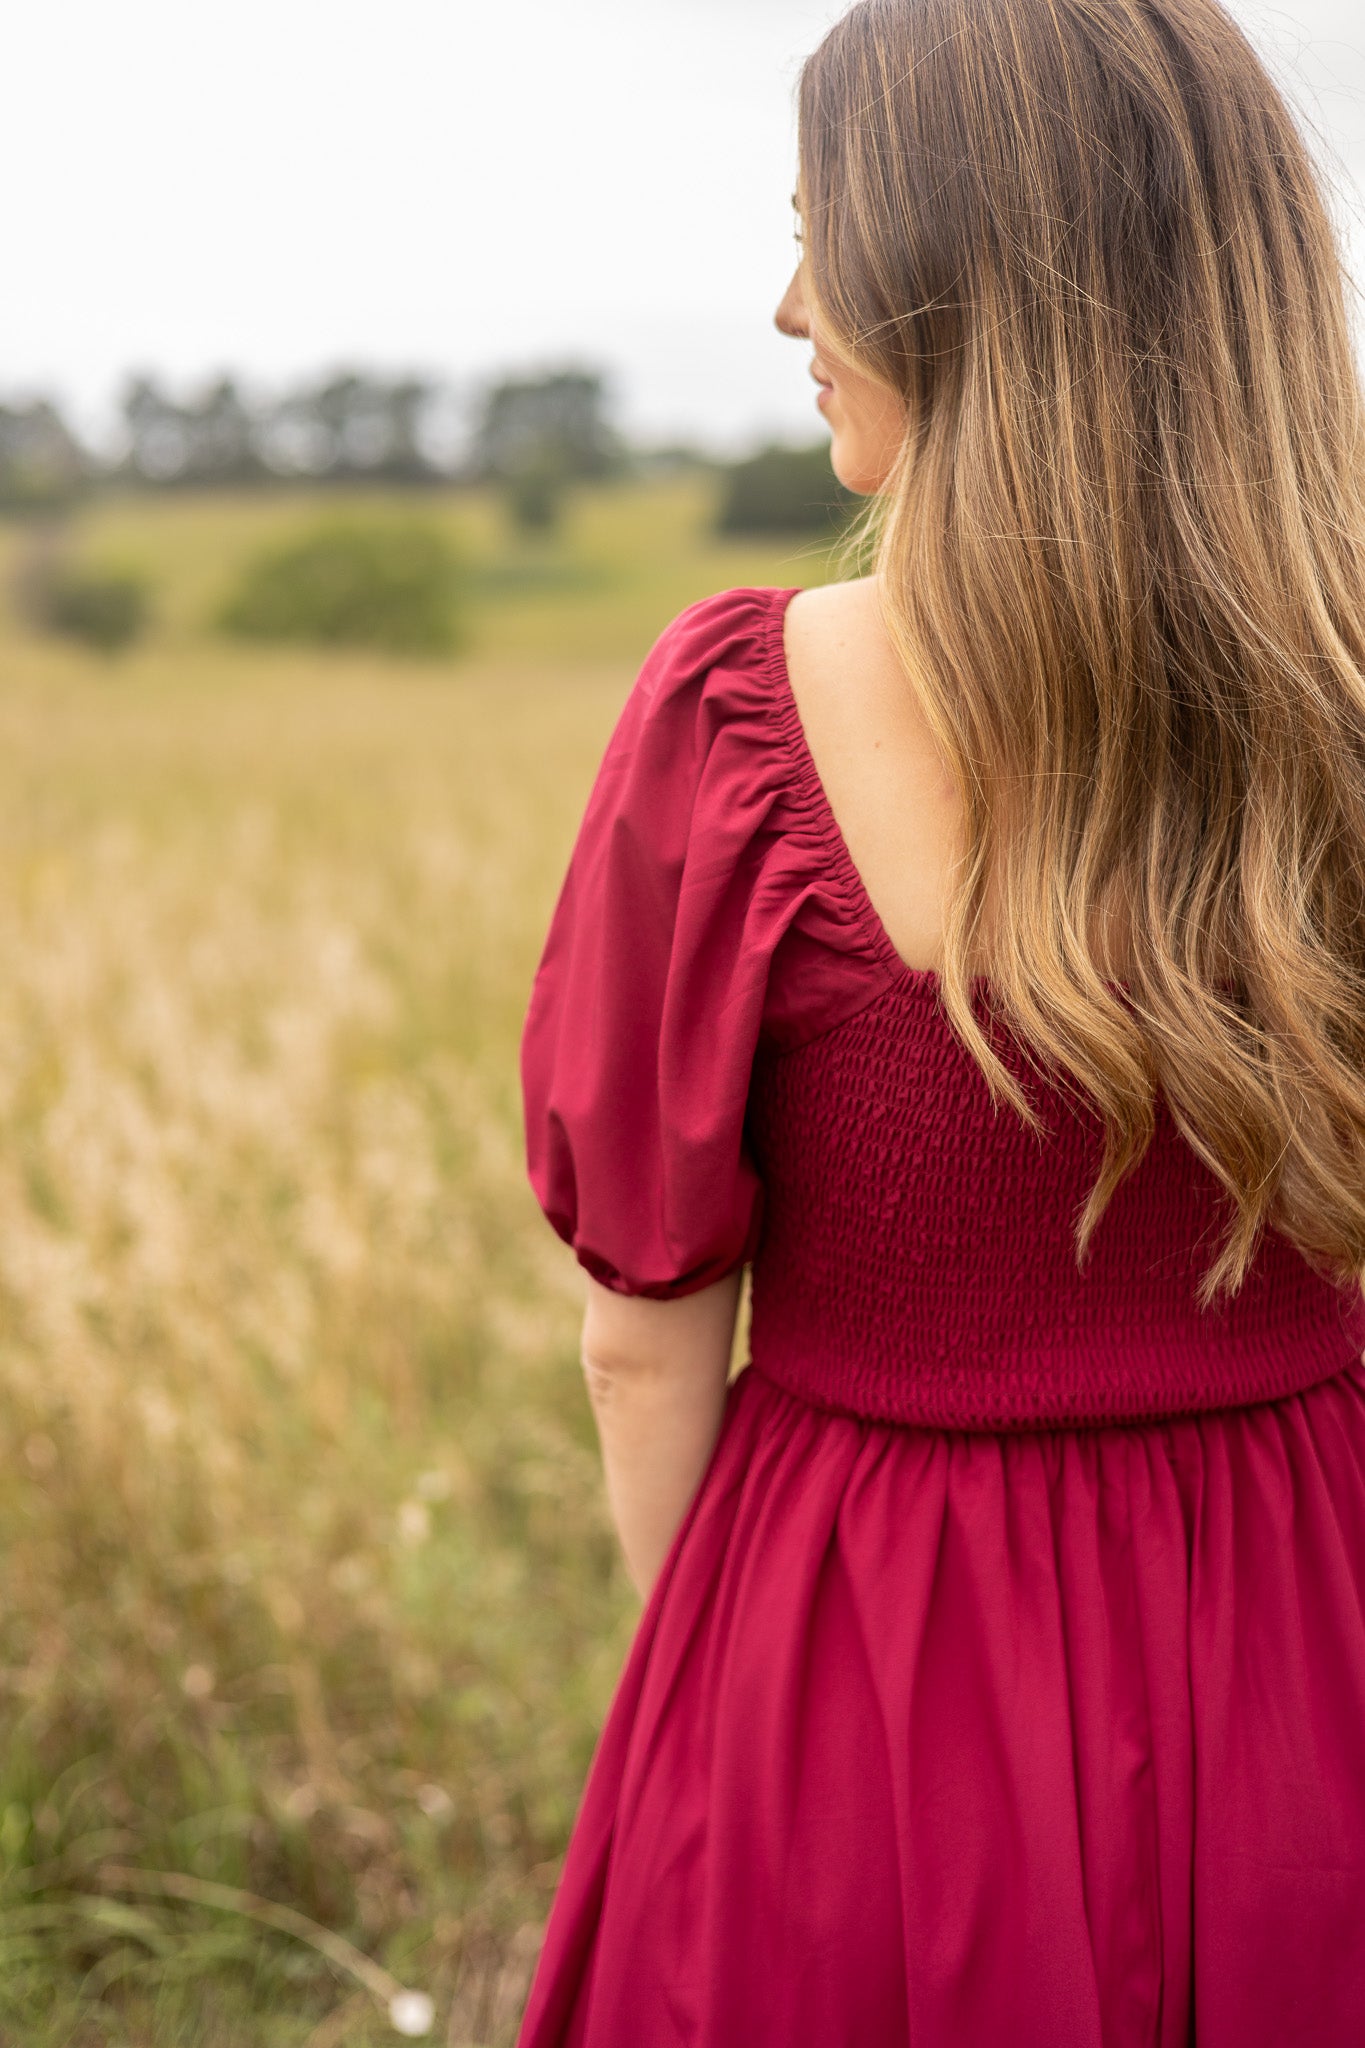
(105, 609)
(784, 490)
(394, 584)
(535, 500)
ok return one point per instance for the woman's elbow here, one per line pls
(634, 1336)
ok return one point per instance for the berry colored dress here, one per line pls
(1004, 1686)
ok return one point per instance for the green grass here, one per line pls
(310, 1588)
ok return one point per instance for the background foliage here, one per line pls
(353, 582)
(784, 491)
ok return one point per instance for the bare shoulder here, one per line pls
(851, 689)
(827, 614)
(883, 775)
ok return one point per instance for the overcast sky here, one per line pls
(454, 187)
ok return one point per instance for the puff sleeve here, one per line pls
(647, 1004)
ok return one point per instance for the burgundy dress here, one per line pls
(1004, 1686)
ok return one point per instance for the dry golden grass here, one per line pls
(310, 1586)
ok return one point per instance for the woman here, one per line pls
(978, 951)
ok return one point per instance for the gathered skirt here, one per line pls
(941, 1739)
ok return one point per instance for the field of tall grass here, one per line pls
(311, 1604)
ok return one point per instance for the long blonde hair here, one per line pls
(1122, 553)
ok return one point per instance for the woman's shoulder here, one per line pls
(751, 619)
(716, 646)
(836, 643)
(728, 659)
(701, 713)
(737, 686)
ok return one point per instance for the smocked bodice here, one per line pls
(725, 1062)
(917, 1264)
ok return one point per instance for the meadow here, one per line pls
(312, 1606)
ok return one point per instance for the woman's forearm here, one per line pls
(657, 1373)
(657, 1427)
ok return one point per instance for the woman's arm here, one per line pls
(656, 1374)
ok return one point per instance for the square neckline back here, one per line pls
(811, 792)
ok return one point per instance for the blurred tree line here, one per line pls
(545, 431)
(42, 465)
(532, 437)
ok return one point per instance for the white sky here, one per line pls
(451, 186)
